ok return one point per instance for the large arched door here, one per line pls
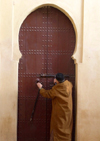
(47, 41)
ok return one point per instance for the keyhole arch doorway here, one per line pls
(47, 42)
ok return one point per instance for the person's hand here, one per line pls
(55, 81)
(39, 85)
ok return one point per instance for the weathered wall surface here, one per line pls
(85, 18)
(8, 75)
(89, 75)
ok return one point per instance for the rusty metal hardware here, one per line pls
(34, 105)
(37, 80)
(47, 75)
(44, 75)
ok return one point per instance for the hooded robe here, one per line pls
(61, 116)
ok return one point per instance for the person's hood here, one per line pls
(64, 88)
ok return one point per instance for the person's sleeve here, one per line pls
(47, 93)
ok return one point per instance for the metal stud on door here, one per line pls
(47, 41)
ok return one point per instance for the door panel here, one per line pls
(47, 41)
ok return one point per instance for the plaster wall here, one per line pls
(88, 92)
(85, 18)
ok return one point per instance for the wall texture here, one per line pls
(85, 18)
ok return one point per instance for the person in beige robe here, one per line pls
(61, 117)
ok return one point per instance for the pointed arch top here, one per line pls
(20, 17)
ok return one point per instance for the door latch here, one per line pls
(44, 75)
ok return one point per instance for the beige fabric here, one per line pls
(61, 117)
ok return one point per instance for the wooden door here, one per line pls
(46, 41)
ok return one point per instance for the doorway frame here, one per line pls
(78, 50)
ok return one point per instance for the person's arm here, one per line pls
(46, 93)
